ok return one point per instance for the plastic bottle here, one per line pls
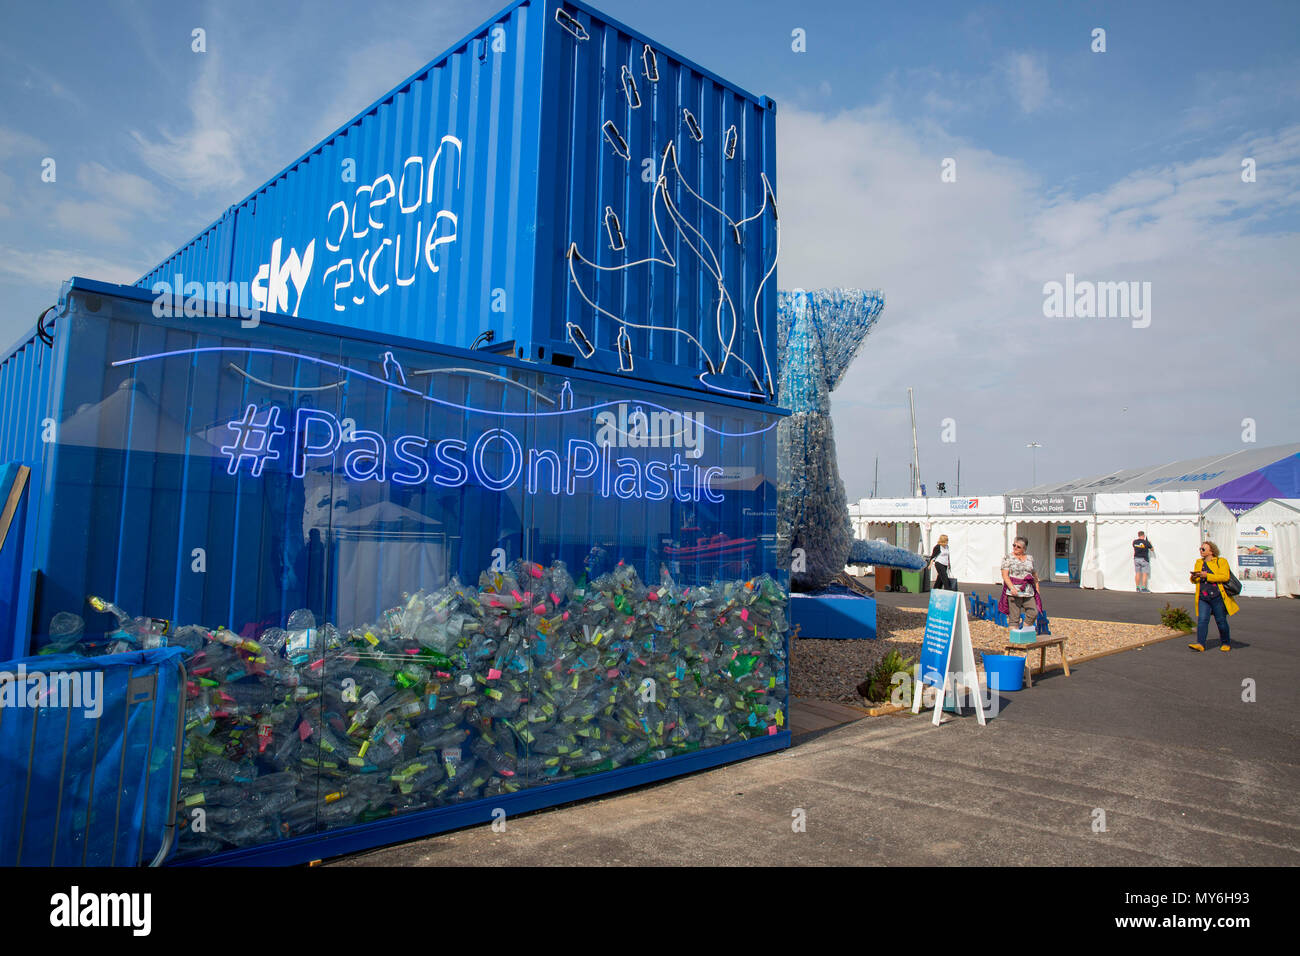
(301, 640)
(66, 629)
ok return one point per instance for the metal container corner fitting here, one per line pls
(556, 180)
(417, 583)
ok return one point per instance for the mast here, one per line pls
(916, 459)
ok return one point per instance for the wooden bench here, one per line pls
(1041, 647)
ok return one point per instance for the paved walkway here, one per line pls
(1160, 739)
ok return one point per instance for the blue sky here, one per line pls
(1123, 165)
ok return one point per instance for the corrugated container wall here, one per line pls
(25, 372)
(555, 179)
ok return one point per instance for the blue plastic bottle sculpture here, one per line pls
(820, 333)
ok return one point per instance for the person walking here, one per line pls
(941, 558)
(1019, 585)
(1209, 576)
(1142, 552)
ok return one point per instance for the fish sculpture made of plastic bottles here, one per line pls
(819, 334)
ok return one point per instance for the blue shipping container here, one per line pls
(556, 179)
(526, 584)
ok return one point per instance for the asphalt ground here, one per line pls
(1157, 756)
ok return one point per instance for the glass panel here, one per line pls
(410, 580)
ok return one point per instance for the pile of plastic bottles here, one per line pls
(468, 692)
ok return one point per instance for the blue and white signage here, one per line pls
(947, 635)
(936, 645)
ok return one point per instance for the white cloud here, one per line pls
(126, 191)
(14, 143)
(209, 154)
(1222, 99)
(232, 115)
(241, 126)
(1027, 78)
(91, 219)
(49, 267)
(963, 265)
(115, 201)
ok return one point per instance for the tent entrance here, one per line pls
(1057, 547)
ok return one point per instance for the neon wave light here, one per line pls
(495, 413)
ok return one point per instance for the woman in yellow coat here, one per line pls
(1209, 575)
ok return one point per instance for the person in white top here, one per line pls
(942, 561)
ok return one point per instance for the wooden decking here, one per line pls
(809, 716)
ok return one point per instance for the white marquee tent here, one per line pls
(1218, 524)
(1099, 549)
(976, 545)
(1174, 539)
(974, 526)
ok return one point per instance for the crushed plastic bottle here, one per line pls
(66, 629)
(530, 678)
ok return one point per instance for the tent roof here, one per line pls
(1273, 509)
(1240, 477)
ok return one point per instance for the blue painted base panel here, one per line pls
(834, 616)
(411, 826)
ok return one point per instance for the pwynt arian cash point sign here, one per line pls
(947, 637)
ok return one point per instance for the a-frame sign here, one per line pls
(946, 642)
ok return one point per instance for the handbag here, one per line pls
(1232, 587)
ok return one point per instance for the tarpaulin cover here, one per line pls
(87, 757)
(885, 555)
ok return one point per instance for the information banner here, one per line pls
(889, 508)
(936, 644)
(1148, 503)
(1255, 564)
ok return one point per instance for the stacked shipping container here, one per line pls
(557, 180)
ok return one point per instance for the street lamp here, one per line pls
(1035, 446)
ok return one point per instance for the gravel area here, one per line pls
(832, 670)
